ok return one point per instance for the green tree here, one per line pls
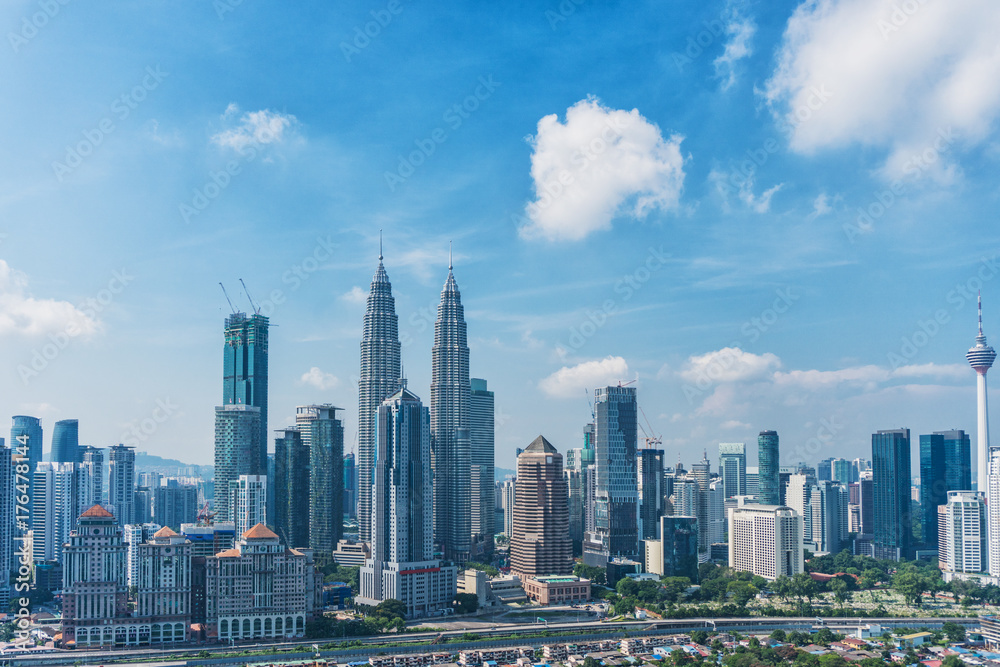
(952, 661)
(590, 661)
(488, 569)
(597, 575)
(741, 591)
(699, 636)
(675, 588)
(839, 588)
(778, 635)
(911, 585)
(466, 603)
(955, 632)
(391, 609)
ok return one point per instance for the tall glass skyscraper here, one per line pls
(733, 468)
(769, 478)
(945, 465)
(651, 496)
(481, 434)
(244, 376)
(26, 435)
(121, 483)
(291, 482)
(617, 493)
(350, 487)
(893, 538)
(66, 441)
(238, 451)
(451, 447)
(326, 479)
(379, 378)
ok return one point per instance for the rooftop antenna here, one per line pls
(450, 262)
(256, 308)
(234, 309)
(980, 312)
(380, 245)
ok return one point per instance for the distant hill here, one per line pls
(170, 467)
(499, 474)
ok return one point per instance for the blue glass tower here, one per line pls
(617, 484)
(893, 538)
(66, 442)
(26, 435)
(244, 375)
(769, 476)
(945, 465)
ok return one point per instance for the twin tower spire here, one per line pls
(381, 376)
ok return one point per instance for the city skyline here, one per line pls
(658, 277)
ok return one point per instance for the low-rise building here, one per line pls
(557, 589)
(260, 589)
(507, 589)
(351, 554)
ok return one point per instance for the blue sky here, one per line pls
(769, 215)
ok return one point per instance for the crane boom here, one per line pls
(256, 308)
(227, 297)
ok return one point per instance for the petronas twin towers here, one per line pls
(381, 376)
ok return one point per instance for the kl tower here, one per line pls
(981, 358)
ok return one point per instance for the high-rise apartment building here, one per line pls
(244, 374)
(238, 451)
(93, 461)
(326, 479)
(134, 535)
(450, 436)
(824, 470)
(248, 501)
(828, 517)
(350, 487)
(26, 437)
(701, 473)
(962, 532)
(769, 486)
(617, 493)
(733, 468)
(402, 563)
(481, 410)
(174, 504)
(508, 496)
(945, 465)
(765, 540)
(842, 471)
(380, 377)
(66, 441)
(540, 544)
(893, 534)
(291, 481)
(7, 520)
(675, 552)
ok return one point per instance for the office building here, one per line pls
(8, 514)
(26, 440)
(60, 489)
(769, 486)
(753, 481)
(402, 563)
(540, 544)
(508, 495)
(66, 441)
(716, 513)
(291, 482)
(701, 473)
(163, 587)
(686, 497)
(617, 493)
(481, 437)
(993, 513)
(350, 488)
(174, 504)
(962, 537)
(260, 589)
(765, 540)
(675, 552)
(211, 539)
(326, 479)
(575, 489)
(733, 468)
(380, 377)
(649, 465)
(893, 534)
(842, 471)
(945, 465)
(238, 451)
(244, 376)
(824, 470)
(828, 517)
(121, 483)
(450, 435)
(248, 501)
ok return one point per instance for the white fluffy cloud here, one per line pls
(255, 127)
(571, 381)
(730, 364)
(889, 75)
(355, 295)
(599, 163)
(21, 313)
(739, 31)
(315, 377)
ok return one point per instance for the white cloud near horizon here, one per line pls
(23, 314)
(255, 127)
(319, 379)
(600, 163)
(571, 381)
(876, 74)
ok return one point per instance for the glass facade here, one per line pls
(66, 441)
(893, 536)
(945, 465)
(768, 480)
(244, 375)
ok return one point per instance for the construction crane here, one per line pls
(256, 308)
(205, 516)
(591, 404)
(227, 297)
(650, 439)
(620, 384)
